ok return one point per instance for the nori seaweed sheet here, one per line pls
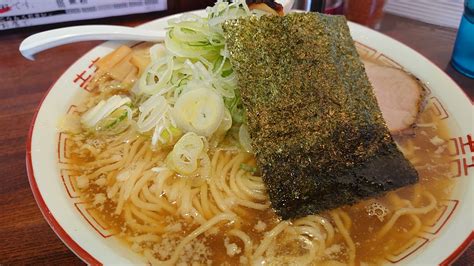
(316, 129)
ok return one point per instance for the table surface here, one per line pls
(26, 238)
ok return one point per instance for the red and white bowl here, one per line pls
(70, 218)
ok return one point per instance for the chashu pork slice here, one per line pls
(398, 94)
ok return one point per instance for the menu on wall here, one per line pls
(25, 13)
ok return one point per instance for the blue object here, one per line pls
(463, 53)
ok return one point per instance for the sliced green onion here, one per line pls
(248, 168)
(102, 110)
(112, 120)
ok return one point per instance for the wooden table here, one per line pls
(25, 237)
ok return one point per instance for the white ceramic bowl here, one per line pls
(70, 219)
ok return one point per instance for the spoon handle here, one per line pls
(52, 38)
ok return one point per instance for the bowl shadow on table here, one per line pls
(463, 81)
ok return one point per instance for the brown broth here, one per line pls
(435, 180)
(368, 247)
(434, 171)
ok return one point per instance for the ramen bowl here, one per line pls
(75, 223)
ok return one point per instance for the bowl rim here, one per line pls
(48, 216)
(86, 256)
